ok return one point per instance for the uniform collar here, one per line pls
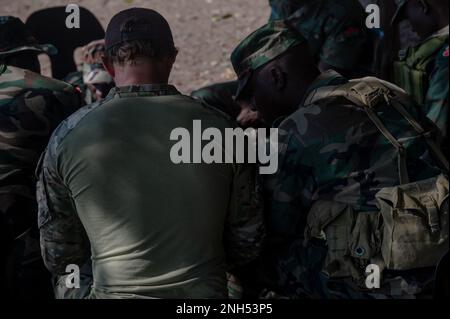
(278, 121)
(143, 90)
(327, 78)
(441, 33)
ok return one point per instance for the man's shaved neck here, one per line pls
(443, 19)
(141, 72)
(301, 60)
(435, 20)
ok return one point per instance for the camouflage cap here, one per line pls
(93, 70)
(261, 47)
(14, 37)
(400, 6)
(95, 74)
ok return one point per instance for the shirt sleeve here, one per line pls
(63, 238)
(244, 229)
(289, 192)
(436, 103)
(295, 267)
(343, 48)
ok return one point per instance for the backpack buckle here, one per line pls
(371, 96)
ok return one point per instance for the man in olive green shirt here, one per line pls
(108, 189)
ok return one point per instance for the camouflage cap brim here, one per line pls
(97, 77)
(95, 74)
(398, 13)
(258, 62)
(42, 48)
(260, 48)
(242, 85)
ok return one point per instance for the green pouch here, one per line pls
(411, 72)
(352, 238)
(411, 80)
(416, 225)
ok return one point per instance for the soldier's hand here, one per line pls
(248, 117)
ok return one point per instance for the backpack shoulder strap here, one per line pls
(368, 93)
(434, 148)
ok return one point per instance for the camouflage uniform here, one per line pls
(336, 34)
(348, 162)
(201, 218)
(283, 9)
(93, 80)
(220, 96)
(436, 101)
(31, 106)
(422, 71)
(345, 163)
(335, 30)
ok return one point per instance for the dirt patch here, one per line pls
(205, 31)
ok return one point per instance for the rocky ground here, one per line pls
(205, 31)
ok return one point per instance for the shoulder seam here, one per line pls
(87, 110)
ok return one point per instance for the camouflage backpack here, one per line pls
(410, 228)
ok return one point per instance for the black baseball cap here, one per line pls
(147, 25)
(15, 38)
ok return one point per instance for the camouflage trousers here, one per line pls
(25, 275)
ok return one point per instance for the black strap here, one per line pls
(434, 148)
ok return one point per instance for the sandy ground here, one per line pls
(205, 31)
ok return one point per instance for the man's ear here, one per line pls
(424, 5)
(172, 58)
(278, 78)
(109, 66)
